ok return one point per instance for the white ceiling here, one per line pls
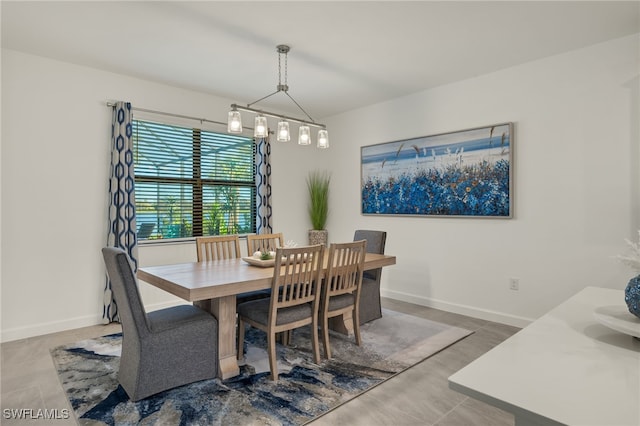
(344, 55)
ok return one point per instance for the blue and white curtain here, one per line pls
(122, 211)
(263, 186)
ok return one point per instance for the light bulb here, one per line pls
(234, 124)
(304, 136)
(260, 128)
(283, 131)
(323, 139)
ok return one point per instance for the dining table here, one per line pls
(213, 286)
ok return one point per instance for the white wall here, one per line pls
(576, 186)
(55, 165)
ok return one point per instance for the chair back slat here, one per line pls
(264, 242)
(218, 247)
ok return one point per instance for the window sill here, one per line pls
(173, 241)
(169, 241)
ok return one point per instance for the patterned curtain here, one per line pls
(263, 186)
(122, 212)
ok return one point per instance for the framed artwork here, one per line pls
(468, 173)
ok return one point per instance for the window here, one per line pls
(192, 182)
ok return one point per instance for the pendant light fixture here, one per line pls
(323, 139)
(260, 128)
(235, 121)
(283, 132)
(304, 135)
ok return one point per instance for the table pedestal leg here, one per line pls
(224, 309)
(342, 324)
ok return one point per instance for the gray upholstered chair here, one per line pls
(370, 307)
(160, 349)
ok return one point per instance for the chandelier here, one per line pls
(261, 130)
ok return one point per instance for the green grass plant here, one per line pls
(318, 186)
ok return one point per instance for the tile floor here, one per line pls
(418, 396)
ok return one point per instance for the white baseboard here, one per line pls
(34, 330)
(470, 311)
(87, 321)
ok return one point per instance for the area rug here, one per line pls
(304, 391)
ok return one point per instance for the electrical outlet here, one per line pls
(514, 283)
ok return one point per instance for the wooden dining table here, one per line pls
(213, 286)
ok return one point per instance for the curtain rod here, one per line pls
(170, 114)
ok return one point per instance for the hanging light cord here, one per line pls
(283, 49)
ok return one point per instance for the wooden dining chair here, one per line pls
(264, 242)
(341, 287)
(224, 247)
(294, 301)
(218, 247)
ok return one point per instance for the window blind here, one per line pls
(192, 182)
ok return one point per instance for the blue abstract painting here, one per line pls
(462, 174)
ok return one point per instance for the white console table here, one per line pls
(564, 368)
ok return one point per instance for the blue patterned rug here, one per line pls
(305, 391)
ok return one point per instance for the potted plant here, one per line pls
(318, 208)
